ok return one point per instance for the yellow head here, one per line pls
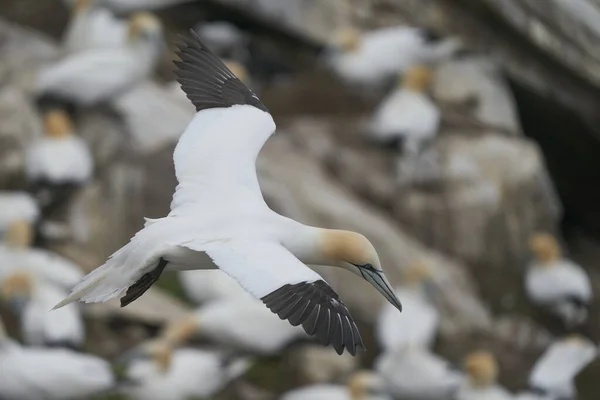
(238, 70)
(416, 78)
(143, 23)
(57, 124)
(416, 272)
(80, 5)
(177, 332)
(361, 383)
(162, 355)
(17, 285)
(19, 234)
(482, 368)
(544, 247)
(348, 39)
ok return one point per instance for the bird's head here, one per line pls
(365, 384)
(354, 252)
(81, 5)
(416, 273)
(416, 78)
(347, 39)
(544, 247)
(178, 331)
(144, 25)
(57, 123)
(482, 368)
(19, 234)
(16, 289)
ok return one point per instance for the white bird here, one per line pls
(219, 218)
(553, 375)
(241, 323)
(204, 286)
(15, 206)
(417, 325)
(371, 58)
(92, 26)
(407, 114)
(31, 299)
(482, 371)
(96, 75)
(180, 374)
(414, 373)
(362, 385)
(50, 374)
(557, 283)
(16, 254)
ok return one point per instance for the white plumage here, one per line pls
(17, 206)
(205, 286)
(362, 385)
(414, 373)
(483, 393)
(189, 373)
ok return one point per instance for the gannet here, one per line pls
(16, 206)
(553, 375)
(229, 226)
(372, 57)
(362, 385)
(412, 372)
(17, 255)
(557, 283)
(482, 371)
(31, 298)
(407, 115)
(59, 162)
(51, 374)
(205, 286)
(241, 323)
(96, 75)
(161, 372)
(92, 26)
(417, 325)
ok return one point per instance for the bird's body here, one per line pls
(17, 206)
(219, 219)
(319, 392)
(362, 385)
(494, 392)
(414, 373)
(190, 373)
(205, 286)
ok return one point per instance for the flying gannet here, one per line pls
(219, 219)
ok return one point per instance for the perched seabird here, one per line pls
(373, 57)
(482, 371)
(417, 325)
(204, 286)
(557, 283)
(16, 254)
(407, 115)
(362, 385)
(415, 373)
(30, 373)
(229, 226)
(241, 323)
(92, 26)
(17, 206)
(58, 163)
(553, 375)
(96, 75)
(31, 298)
(160, 372)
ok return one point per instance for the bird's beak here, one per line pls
(380, 282)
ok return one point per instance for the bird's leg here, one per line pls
(143, 284)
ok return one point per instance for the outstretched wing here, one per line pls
(289, 289)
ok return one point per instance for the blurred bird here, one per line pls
(224, 39)
(362, 385)
(31, 298)
(414, 373)
(417, 325)
(219, 219)
(553, 375)
(407, 115)
(50, 374)
(482, 371)
(92, 26)
(58, 163)
(96, 75)
(16, 254)
(205, 286)
(15, 206)
(373, 57)
(160, 372)
(557, 283)
(244, 324)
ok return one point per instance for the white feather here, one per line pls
(205, 286)
(494, 392)
(17, 206)
(59, 160)
(318, 392)
(94, 27)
